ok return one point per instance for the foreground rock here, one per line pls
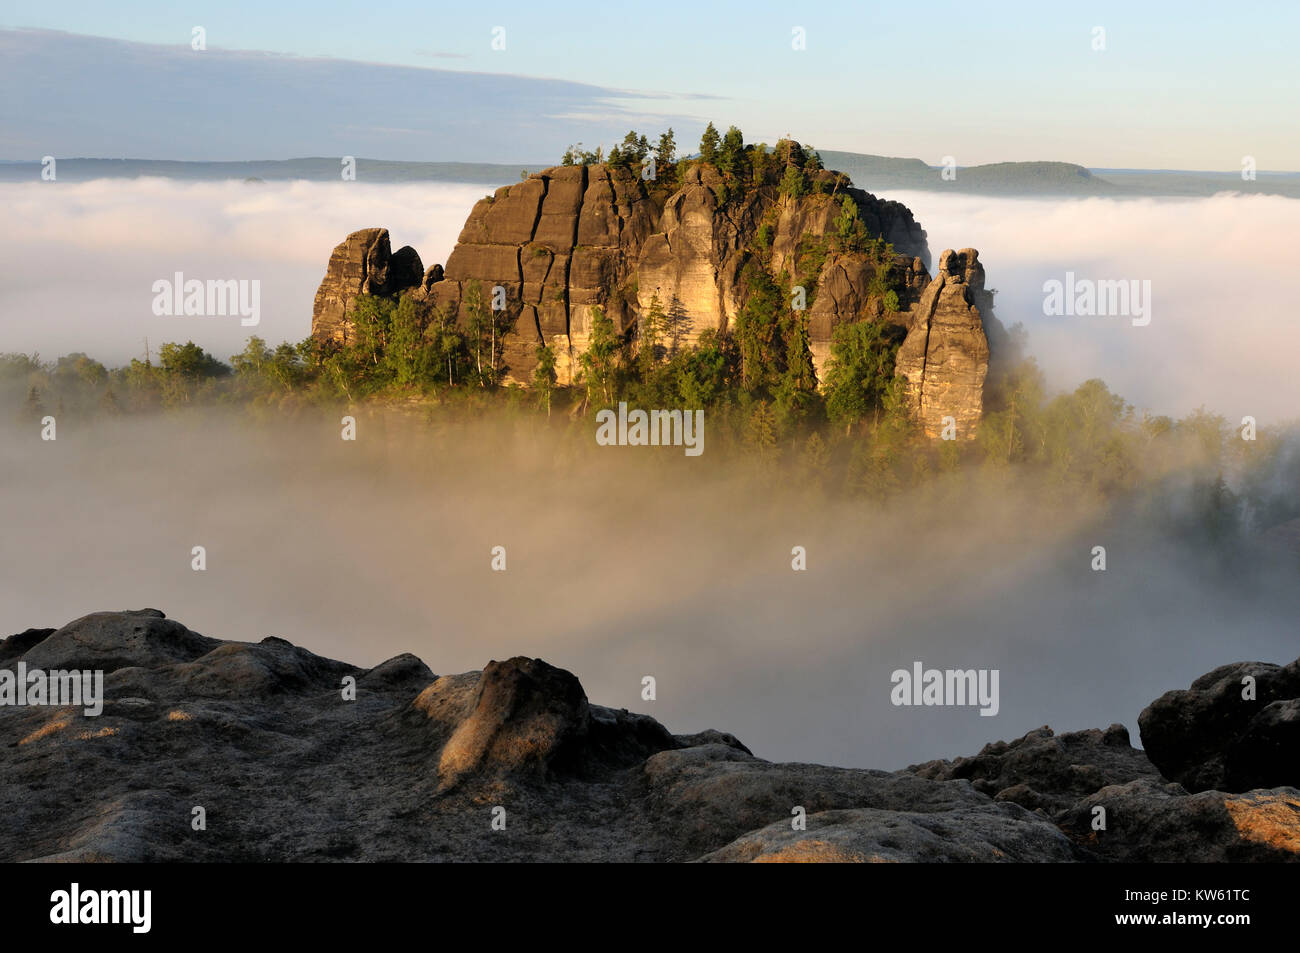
(261, 738)
(1236, 728)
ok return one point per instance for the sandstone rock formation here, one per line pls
(945, 357)
(262, 737)
(362, 263)
(570, 239)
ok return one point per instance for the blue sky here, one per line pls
(1179, 85)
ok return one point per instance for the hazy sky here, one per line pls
(1186, 85)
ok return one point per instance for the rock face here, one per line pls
(1212, 736)
(361, 264)
(945, 357)
(412, 766)
(570, 239)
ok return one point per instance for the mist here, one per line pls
(1222, 332)
(624, 562)
(83, 258)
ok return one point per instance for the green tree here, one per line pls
(666, 151)
(797, 399)
(249, 362)
(478, 323)
(598, 362)
(185, 368)
(793, 183)
(760, 430)
(758, 330)
(406, 357)
(859, 371)
(731, 155)
(650, 328)
(709, 143)
(677, 326)
(544, 375)
(447, 342)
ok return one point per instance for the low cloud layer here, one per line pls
(624, 562)
(83, 258)
(618, 568)
(1223, 331)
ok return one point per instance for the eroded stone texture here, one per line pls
(362, 264)
(571, 239)
(413, 767)
(945, 357)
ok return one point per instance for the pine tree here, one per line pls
(732, 153)
(544, 375)
(650, 327)
(709, 144)
(666, 153)
(760, 431)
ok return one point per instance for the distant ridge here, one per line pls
(316, 169)
(870, 172)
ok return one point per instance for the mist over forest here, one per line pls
(643, 561)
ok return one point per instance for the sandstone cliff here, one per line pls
(570, 239)
(286, 768)
(945, 357)
(362, 264)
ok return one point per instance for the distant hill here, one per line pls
(883, 173)
(317, 169)
(873, 173)
(1192, 184)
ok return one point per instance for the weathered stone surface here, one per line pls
(361, 264)
(1147, 820)
(980, 833)
(262, 736)
(1045, 770)
(571, 239)
(524, 716)
(945, 357)
(1210, 736)
(115, 640)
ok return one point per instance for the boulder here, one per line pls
(1047, 771)
(1212, 736)
(417, 767)
(1147, 820)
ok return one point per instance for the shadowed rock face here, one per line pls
(285, 767)
(361, 264)
(1213, 736)
(571, 239)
